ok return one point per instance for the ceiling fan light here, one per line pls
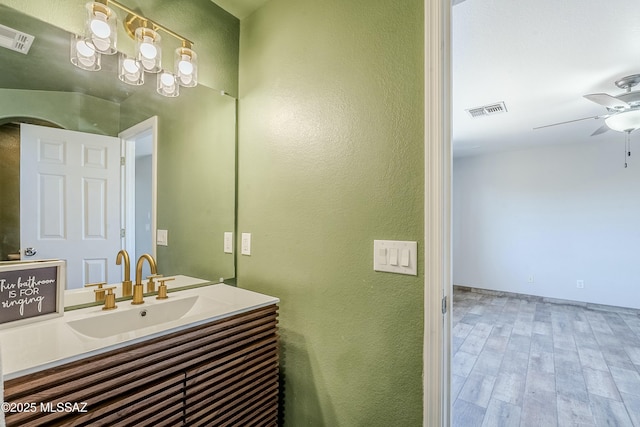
(100, 27)
(625, 121)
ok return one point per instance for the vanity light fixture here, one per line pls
(101, 36)
(84, 54)
(168, 84)
(130, 70)
(100, 27)
(149, 49)
(186, 65)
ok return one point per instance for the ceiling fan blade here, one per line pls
(602, 129)
(607, 100)
(568, 121)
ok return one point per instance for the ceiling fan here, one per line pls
(623, 110)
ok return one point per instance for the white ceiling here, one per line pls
(540, 57)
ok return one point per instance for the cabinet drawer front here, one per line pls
(225, 393)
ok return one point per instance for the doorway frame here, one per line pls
(437, 214)
(128, 138)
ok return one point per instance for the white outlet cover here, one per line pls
(395, 256)
(162, 238)
(228, 242)
(245, 248)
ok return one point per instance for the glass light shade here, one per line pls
(624, 121)
(168, 84)
(186, 66)
(149, 49)
(84, 54)
(100, 27)
(130, 70)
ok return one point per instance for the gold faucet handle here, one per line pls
(127, 288)
(162, 290)
(99, 292)
(151, 285)
(110, 299)
(99, 285)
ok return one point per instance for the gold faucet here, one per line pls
(99, 292)
(138, 291)
(151, 285)
(110, 299)
(126, 283)
(162, 290)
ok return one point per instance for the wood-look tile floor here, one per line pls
(518, 361)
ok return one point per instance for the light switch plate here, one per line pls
(395, 256)
(228, 242)
(162, 238)
(246, 244)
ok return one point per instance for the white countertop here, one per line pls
(41, 345)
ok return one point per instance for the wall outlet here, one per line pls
(245, 247)
(580, 284)
(228, 242)
(530, 279)
(162, 238)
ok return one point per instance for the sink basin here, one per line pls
(86, 332)
(127, 317)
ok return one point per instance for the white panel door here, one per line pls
(70, 201)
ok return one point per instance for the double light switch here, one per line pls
(395, 256)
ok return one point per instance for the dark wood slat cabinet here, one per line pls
(222, 373)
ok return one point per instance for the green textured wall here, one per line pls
(331, 157)
(81, 112)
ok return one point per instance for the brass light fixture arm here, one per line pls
(154, 25)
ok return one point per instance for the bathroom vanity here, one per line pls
(203, 357)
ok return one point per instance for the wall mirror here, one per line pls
(194, 150)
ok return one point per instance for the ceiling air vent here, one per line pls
(487, 110)
(15, 40)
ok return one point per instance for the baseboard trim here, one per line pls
(536, 298)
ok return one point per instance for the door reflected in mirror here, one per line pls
(139, 145)
(70, 201)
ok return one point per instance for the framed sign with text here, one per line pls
(31, 291)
